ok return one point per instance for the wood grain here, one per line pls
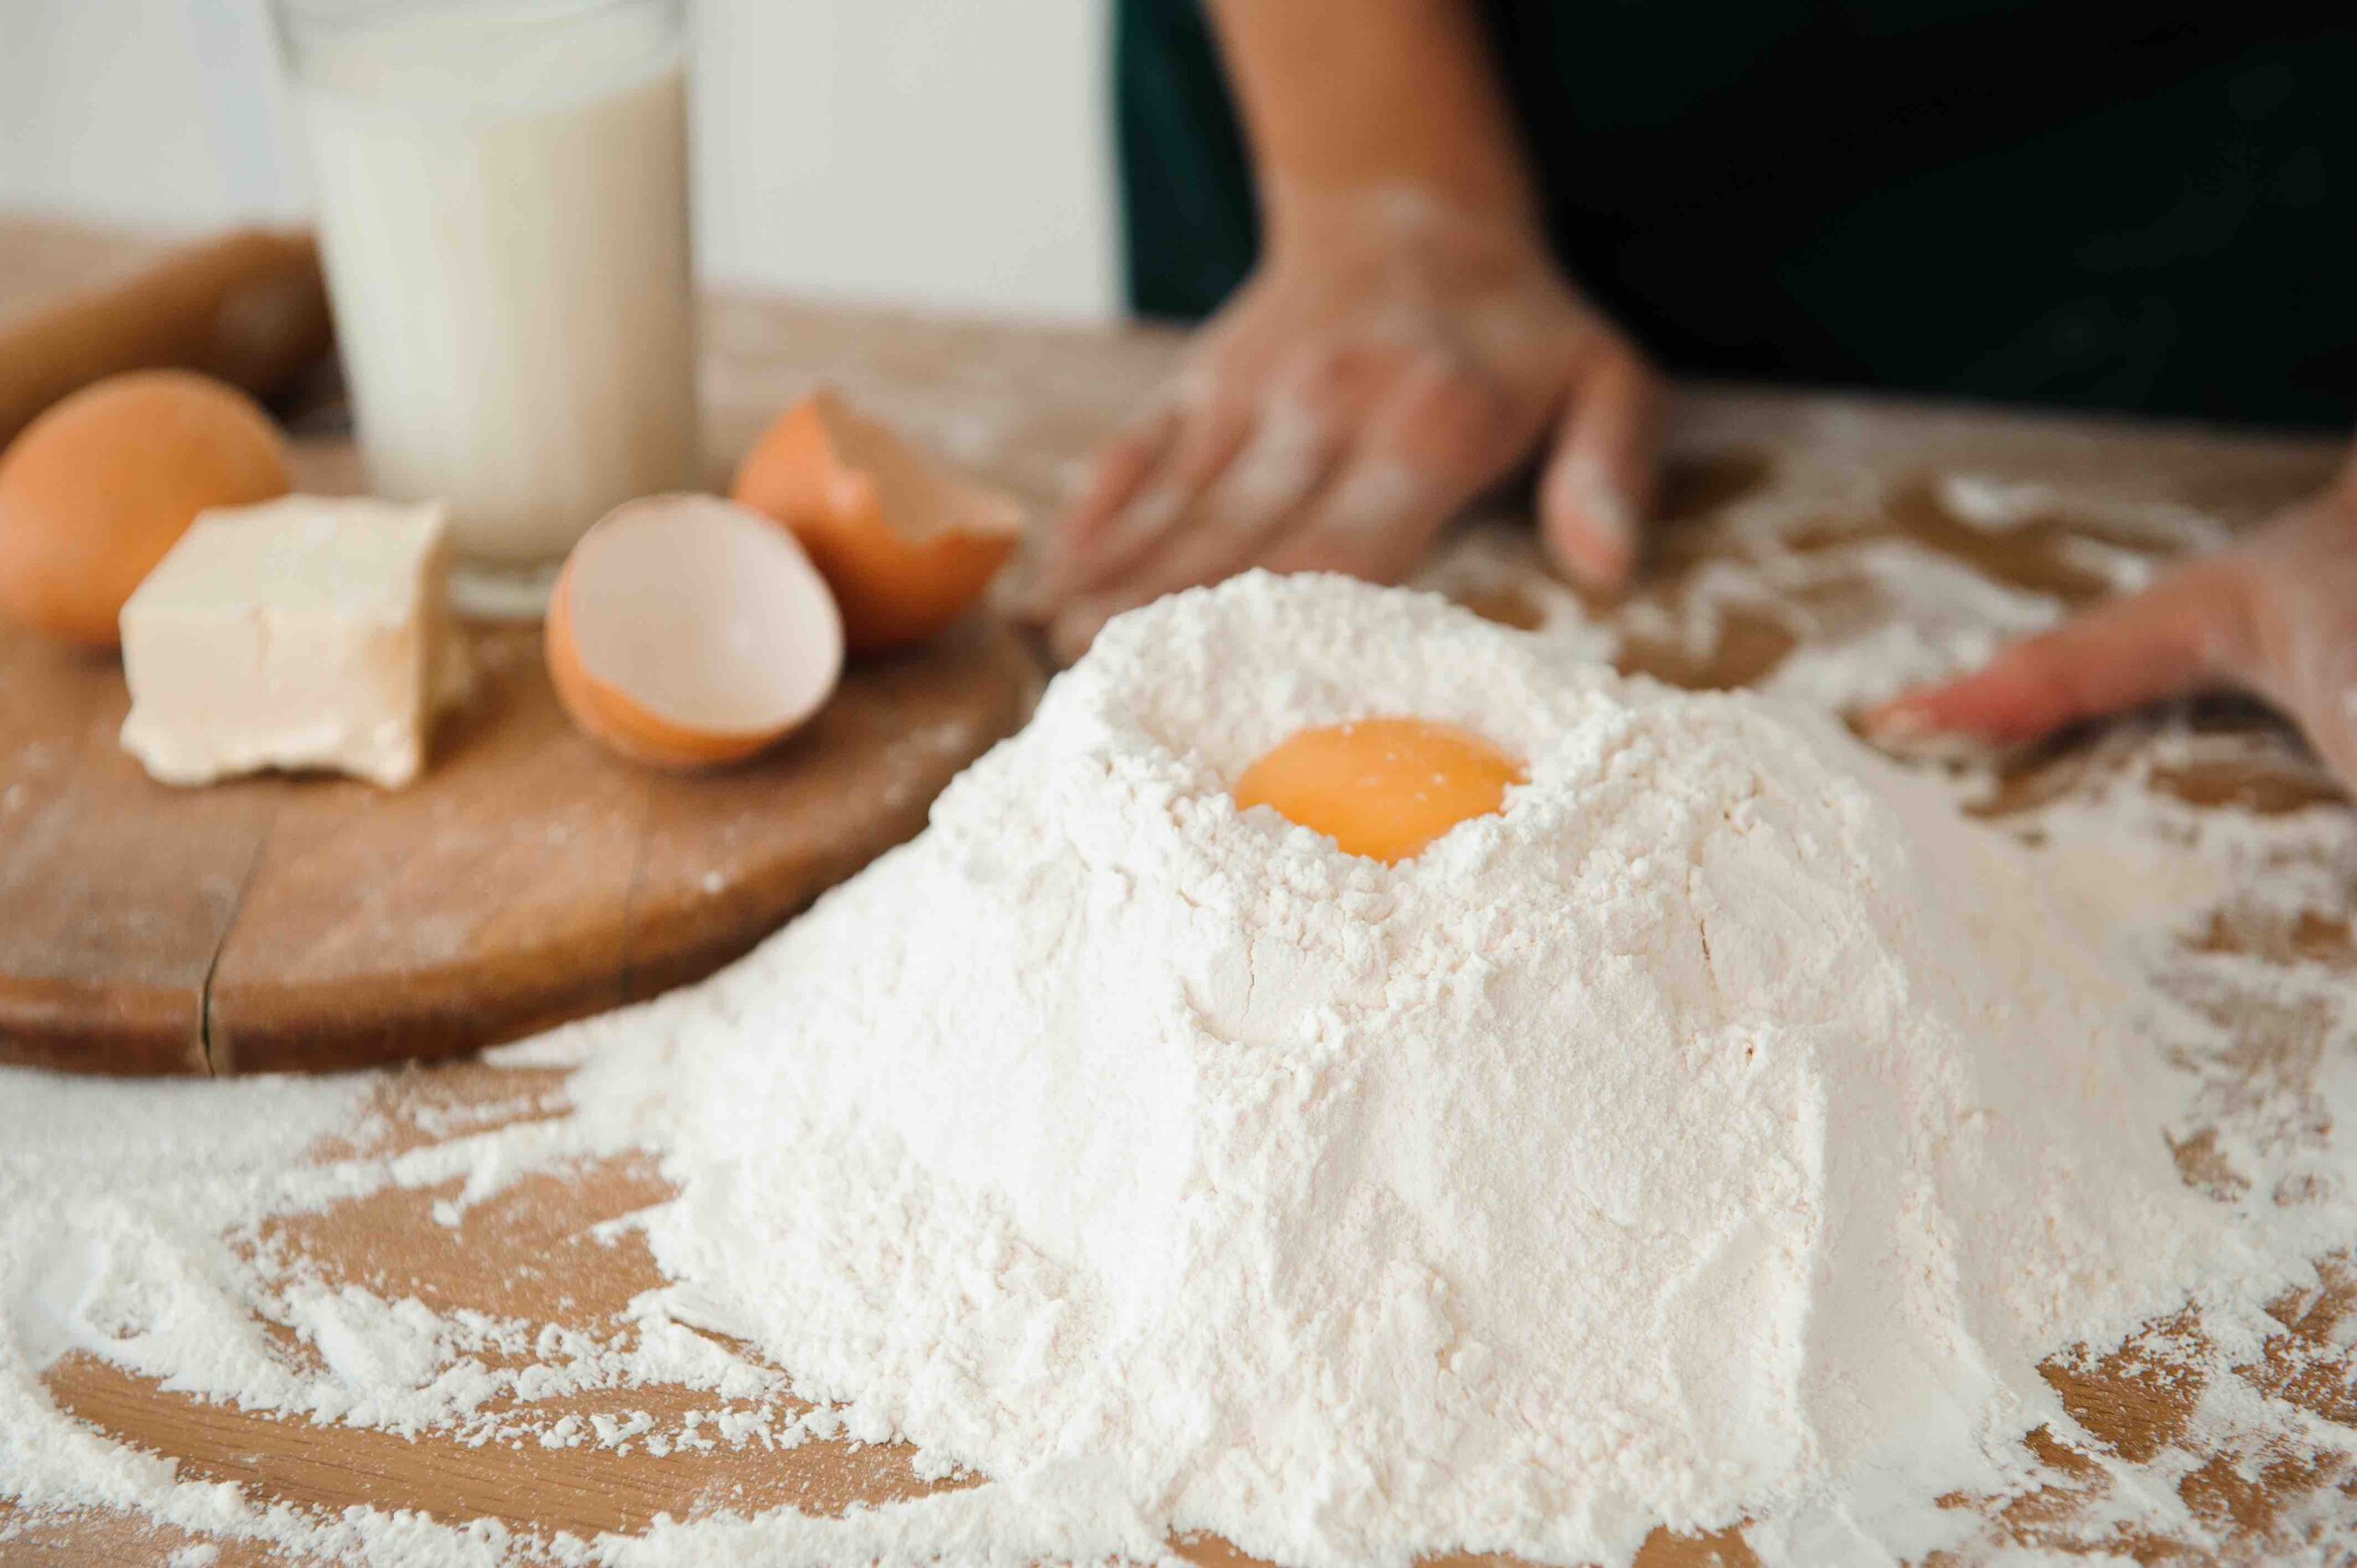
(110, 909)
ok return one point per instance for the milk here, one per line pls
(503, 205)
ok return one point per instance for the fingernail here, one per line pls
(1077, 626)
(1596, 565)
(1611, 518)
(1896, 723)
(1602, 544)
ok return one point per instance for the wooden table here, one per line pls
(1023, 404)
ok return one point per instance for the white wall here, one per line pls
(932, 152)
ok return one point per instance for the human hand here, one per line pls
(2276, 616)
(1390, 361)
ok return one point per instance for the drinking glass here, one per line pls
(502, 192)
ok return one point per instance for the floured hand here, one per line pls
(2276, 616)
(1391, 359)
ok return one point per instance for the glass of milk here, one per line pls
(502, 190)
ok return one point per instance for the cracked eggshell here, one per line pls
(907, 546)
(685, 631)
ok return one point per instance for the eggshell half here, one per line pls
(686, 631)
(906, 546)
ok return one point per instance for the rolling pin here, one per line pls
(249, 308)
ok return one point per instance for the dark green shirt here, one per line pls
(2150, 209)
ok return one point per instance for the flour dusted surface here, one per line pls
(1670, 1145)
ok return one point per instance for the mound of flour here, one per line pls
(1725, 1123)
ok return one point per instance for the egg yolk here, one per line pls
(1382, 788)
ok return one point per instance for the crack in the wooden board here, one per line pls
(626, 959)
(212, 1067)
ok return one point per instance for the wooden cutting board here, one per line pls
(528, 877)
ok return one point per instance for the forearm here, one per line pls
(1346, 98)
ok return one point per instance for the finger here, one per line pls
(2189, 631)
(1206, 441)
(1295, 447)
(1599, 484)
(1231, 525)
(1113, 480)
(1301, 432)
(2332, 728)
(1292, 449)
(1428, 450)
(2303, 648)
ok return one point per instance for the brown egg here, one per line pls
(906, 547)
(685, 631)
(96, 491)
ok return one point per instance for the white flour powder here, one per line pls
(1723, 1130)
(1722, 1118)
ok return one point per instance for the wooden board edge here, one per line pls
(62, 1027)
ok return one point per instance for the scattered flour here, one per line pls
(1724, 1130)
(2001, 506)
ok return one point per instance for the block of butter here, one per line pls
(305, 632)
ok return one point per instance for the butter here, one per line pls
(305, 632)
